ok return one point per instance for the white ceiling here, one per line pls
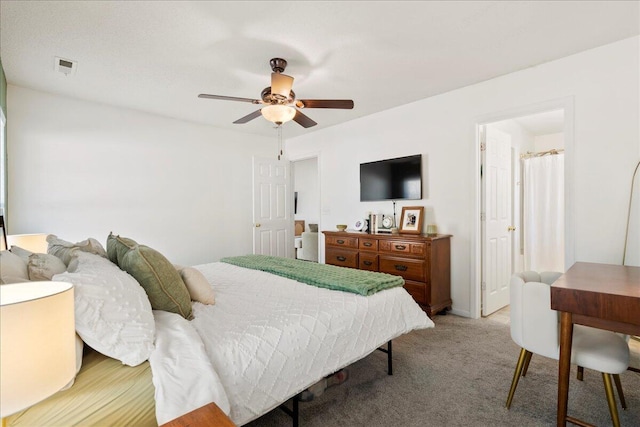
(158, 56)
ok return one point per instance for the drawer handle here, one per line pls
(400, 267)
(367, 244)
(401, 247)
(340, 242)
(341, 258)
(367, 263)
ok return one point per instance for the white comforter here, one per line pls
(268, 338)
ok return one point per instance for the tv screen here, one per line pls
(391, 179)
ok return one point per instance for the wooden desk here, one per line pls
(598, 295)
(207, 415)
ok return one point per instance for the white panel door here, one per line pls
(272, 210)
(497, 224)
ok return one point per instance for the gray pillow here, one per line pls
(159, 278)
(44, 266)
(64, 250)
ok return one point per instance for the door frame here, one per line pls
(566, 104)
(306, 156)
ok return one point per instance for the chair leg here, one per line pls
(527, 360)
(623, 402)
(580, 373)
(516, 375)
(611, 400)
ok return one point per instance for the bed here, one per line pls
(266, 339)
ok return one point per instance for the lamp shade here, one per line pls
(32, 242)
(37, 342)
(278, 113)
(281, 85)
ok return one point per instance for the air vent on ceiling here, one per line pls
(65, 66)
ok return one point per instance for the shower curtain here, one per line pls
(543, 213)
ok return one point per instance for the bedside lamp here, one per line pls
(37, 343)
(32, 242)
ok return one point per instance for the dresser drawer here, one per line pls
(345, 242)
(417, 290)
(367, 261)
(411, 269)
(343, 258)
(368, 244)
(403, 247)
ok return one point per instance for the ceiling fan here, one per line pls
(280, 103)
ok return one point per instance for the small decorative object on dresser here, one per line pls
(361, 225)
(411, 219)
(423, 261)
(341, 227)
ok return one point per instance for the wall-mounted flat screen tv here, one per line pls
(391, 179)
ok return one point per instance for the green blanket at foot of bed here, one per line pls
(322, 275)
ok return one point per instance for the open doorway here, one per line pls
(306, 208)
(522, 201)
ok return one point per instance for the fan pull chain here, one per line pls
(280, 150)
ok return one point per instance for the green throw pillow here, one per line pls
(118, 246)
(159, 278)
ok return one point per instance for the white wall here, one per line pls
(305, 173)
(548, 142)
(604, 86)
(80, 169)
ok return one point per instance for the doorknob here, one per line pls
(511, 228)
(257, 225)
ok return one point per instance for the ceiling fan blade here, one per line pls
(303, 120)
(230, 98)
(345, 104)
(281, 84)
(248, 117)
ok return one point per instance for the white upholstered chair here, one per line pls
(535, 328)
(309, 247)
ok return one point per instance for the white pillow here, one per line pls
(113, 313)
(13, 269)
(22, 253)
(199, 288)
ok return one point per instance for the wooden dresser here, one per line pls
(423, 261)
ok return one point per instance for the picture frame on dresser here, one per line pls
(411, 219)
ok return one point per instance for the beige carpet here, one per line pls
(457, 374)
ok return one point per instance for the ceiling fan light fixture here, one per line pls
(278, 113)
(281, 85)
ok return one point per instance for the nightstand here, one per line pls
(207, 415)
